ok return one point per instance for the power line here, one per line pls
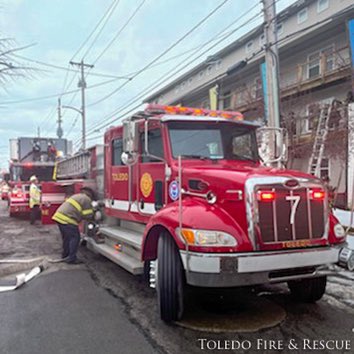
(114, 5)
(162, 54)
(106, 16)
(66, 69)
(57, 94)
(120, 31)
(177, 70)
(94, 30)
(158, 81)
(97, 128)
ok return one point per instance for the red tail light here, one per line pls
(266, 196)
(317, 195)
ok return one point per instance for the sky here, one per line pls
(55, 32)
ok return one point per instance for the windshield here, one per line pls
(214, 140)
(24, 173)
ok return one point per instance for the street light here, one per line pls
(83, 124)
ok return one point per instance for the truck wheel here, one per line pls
(308, 290)
(170, 280)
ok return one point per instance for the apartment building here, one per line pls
(315, 72)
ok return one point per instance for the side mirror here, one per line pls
(130, 137)
(273, 145)
(129, 158)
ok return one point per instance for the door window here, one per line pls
(117, 150)
(155, 146)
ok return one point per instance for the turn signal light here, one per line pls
(317, 195)
(266, 196)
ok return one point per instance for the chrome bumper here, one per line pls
(240, 269)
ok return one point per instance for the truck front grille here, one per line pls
(274, 217)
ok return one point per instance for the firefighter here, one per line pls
(68, 216)
(35, 199)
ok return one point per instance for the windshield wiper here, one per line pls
(191, 156)
(245, 158)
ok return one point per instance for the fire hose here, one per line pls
(23, 278)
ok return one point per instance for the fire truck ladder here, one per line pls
(314, 166)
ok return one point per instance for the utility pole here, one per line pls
(59, 129)
(82, 85)
(272, 69)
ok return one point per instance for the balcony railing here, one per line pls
(320, 68)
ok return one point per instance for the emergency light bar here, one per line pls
(180, 110)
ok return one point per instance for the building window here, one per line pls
(280, 28)
(218, 64)
(209, 69)
(313, 65)
(226, 102)
(117, 150)
(320, 62)
(262, 40)
(324, 168)
(302, 16)
(258, 89)
(249, 47)
(322, 5)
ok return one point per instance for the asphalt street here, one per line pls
(98, 307)
(65, 312)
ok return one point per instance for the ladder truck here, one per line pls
(30, 156)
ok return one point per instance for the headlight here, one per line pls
(206, 237)
(339, 230)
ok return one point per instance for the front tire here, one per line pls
(308, 290)
(170, 280)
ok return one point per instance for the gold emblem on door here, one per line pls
(146, 184)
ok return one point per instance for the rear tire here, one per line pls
(308, 290)
(170, 280)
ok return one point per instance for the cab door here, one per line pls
(151, 173)
(118, 190)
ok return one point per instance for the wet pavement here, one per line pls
(266, 320)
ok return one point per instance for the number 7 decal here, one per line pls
(296, 200)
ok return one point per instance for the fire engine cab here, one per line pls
(188, 201)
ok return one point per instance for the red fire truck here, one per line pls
(30, 156)
(188, 201)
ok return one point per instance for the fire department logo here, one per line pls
(173, 190)
(146, 184)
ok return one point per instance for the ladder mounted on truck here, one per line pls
(314, 166)
(77, 166)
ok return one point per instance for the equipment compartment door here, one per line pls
(53, 195)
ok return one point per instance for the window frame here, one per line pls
(320, 52)
(249, 46)
(319, 9)
(280, 30)
(299, 20)
(113, 154)
(148, 158)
